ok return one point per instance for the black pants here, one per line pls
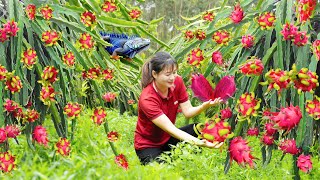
(149, 154)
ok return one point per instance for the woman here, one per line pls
(163, 91)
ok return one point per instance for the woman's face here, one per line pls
(166, 77)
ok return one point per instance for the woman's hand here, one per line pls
(211, 102)
(208, 144)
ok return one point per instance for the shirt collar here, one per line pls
(169, 92)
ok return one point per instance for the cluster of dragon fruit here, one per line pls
(275, 124)
(72, 110)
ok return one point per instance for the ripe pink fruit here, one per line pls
(226, 113)
(50, 37)
(3, 135)
(217, 58)
(300, 39)
(270, 130)
(289, 31)
(12, 131)
(109, 96)
(11, 28)
(267, 139)
(237, 14)
(289, 146)
(31, 11)
(247, 41)
(240, 152)
(288, 117)
(253, 132)
(40, 135)
(304, 163)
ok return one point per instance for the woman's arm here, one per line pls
(165, 124)
(189, 111)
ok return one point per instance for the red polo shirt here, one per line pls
(152, 105)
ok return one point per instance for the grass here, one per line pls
(92, 158)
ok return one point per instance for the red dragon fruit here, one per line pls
(46, 12)
(12, 131)
(277, 79)
(266, 20)
(63, 147)
(7, 161)
(47, 94)
(29, 58)
(109, 96)
(200, 35)
(313, 108)
(31, 11)
(40, 135)
(18, 113)
(99, 115)
(226, 113)
(113, 136)
(247, 106)
(217, 58)
(109, 6)
(10, 105)
(94, 73)
(252, 67)
(216, 130)
(289, 146)
(288, 117)
(3, 35)
(50, 37)
(88, 18)
(253, 132)
(69, 59)
(289, 31)
(3, 135)
(72, 110)
(267, 139)
(304, 163)
(196, 57)
(121, 161)
(202, 89)
(306, 81)
(13, 83)
(306, 9)
(31, 115)
(240, 152)
(221, 37)
(247, 41)
(107, 74)
(188, 34)
(237, 14)
(135, 13)
(208, 16)
(49, 75)
(11, 28)
(315, 47)
(86, 41)
(270, 130)
(300, 39)
(3, 73)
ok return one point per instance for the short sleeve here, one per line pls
(150, 107)
(182, 94)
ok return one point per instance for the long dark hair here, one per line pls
(157, 63)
